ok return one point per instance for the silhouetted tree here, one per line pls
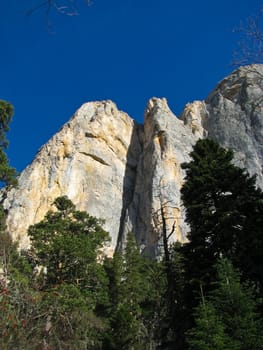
(224, 210)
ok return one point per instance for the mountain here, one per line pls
(124, 172)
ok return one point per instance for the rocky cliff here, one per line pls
(123, 172)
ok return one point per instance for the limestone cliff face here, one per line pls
(167, 143)
(235, 117)
(123, 172)
(86, 160)
(232, 115)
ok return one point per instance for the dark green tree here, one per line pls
(18, 302)
(209, 331)
(6, 113)
(7, 173)
(235, 303)
(227, 318)
(134, 295)
(68, 244)
(171, 325)
(126, 282)
(7, 177)
(224, 211)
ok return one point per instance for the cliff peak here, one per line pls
(123, 172)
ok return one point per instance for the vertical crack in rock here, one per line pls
(129, 182)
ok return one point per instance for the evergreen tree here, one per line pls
(17, 310)
(7, 177)
(172, 320)
(235, 303)
(126, 282)
(209, 331)
(134, 300)
(224, 211)
(7, 173)
(6, 113)
(68, 244)
(227, 318)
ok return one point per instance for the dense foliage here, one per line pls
(7, 173)
(227, 317)
(224, 209)
(65, 294)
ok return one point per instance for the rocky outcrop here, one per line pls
(123, 172)
(166, 145)
(87, 161)
(235, 117)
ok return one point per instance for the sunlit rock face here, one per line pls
(235, 117)
(124, 173)
(232, 115)
(167, 142)
(87, 161)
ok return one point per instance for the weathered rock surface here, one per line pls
(86, 160)
(166, 145)
(124, 172)
(235, 117)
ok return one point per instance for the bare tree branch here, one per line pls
(172, 231)
(63, 7)
(250, 47)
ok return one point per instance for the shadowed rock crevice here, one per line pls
(134, 150)
(96, 158)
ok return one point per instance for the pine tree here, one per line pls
(127, 283)
(7, 173)
(134, 296)
(73, 285)
(209, 331)
(235, 303)
(227, 317)
(6, 113)
(7, 177)
(68, 242)
(224, 211)
(172, 317)
(17, 300)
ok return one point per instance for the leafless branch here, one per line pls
(63, 7)
(250, 47)
(172, 231)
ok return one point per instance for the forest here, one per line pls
(64, 293)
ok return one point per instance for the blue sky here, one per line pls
(124, 50)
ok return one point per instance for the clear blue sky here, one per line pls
(123, 50)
